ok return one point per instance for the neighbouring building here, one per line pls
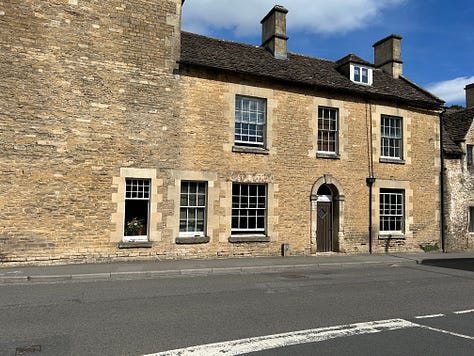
(123, 137)
(458, 143)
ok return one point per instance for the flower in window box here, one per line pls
(134, 227)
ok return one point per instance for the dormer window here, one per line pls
(361, 74)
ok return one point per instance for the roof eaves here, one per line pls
(426, 92)
(359, 93)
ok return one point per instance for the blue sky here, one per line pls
(437, 45)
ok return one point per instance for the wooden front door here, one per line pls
(324, 227)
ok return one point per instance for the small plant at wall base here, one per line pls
(134, 227)
(430, 248)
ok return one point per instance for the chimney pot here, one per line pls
(274, 32)
(388, 55)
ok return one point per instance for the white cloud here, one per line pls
(312, 16)
(452, 91)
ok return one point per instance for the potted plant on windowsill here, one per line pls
(134, 227)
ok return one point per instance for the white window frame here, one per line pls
(357, 74)
(250, 120)
(391, 137)
(249, 211)
(392, 211)
(193, 204)
(137, 189)
(326, 129)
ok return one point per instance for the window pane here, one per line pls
(357, 74)
(193, 211)
(391, 137)
(327, 130)
(391, 210)
(250, 118)
(248, 208)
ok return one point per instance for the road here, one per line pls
(399, 310)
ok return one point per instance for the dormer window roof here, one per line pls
(356, 69)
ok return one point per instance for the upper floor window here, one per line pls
(250, 121)
(192, 215)
(392, 208)
(391, 137)
(249, 208)
(328, 130)
(469, 155)
(362, 75)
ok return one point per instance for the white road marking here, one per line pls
(429, 316)
(254, 344)
(447, 332)
(464, 311)
(242, 346)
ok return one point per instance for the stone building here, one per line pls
(458, 168)
(124, 138)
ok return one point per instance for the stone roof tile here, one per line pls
(241, 58)
(456, 126)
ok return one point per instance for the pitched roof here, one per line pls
(197, 50)
(455, 128)
(352, 58)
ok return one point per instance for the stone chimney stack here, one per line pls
(469, 95)
(388, 55)
(274, 36)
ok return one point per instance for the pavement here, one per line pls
(175, 268)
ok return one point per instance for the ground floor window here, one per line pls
(137, 205)
(392, 208)
(249, 208)
(192, 216)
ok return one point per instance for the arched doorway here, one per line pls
(325, 221)
(326, 215)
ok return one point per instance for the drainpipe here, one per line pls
(441, 182)
(370, 182)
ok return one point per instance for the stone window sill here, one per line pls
(391, 160)
(249, 238)
(393, 236)
(246, 149)
(137, 244)
(328, 155)
(181, 240)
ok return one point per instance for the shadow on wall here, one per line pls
(466, 264)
